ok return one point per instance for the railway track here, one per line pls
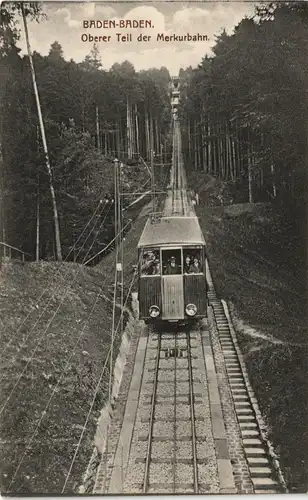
(171, 449)
(181, 440)
(174, 352)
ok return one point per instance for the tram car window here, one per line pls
(171, 262)
(150, 264)
(192, 259)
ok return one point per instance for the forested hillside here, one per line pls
(244, 117)
(91, 117)
(244, 110)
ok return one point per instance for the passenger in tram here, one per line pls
(187, 264)
(156, 268)
(173, 267)
(148, 263)
(195, 267)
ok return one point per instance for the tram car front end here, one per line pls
(172, 280)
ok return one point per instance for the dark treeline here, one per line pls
(245, 110)
(91, 117)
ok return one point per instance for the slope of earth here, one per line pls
(52, 362)
(258, 262)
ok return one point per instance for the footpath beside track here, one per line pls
(186, 420)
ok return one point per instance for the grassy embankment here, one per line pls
(58, 366)
(257, 256)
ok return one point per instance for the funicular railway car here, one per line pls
(172, 281)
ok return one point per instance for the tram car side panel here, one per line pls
(195, 292)
(195, 279)
(149, 295)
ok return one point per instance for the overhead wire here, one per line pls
(42, 335)
(47, 288)
(55, 292)
(28, 446)
(99, 382)
(109, 354)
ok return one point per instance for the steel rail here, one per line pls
(150, 437)
(192, 415)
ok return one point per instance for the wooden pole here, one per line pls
(44, 141)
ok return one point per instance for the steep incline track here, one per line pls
(192, 423)
(177, 201)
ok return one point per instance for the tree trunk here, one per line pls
(128, 129)
(137, 130)
(105, 141)
(249, 166)
(157, 148)
(233, 155)
(37, 252)
(52, 191)
(195, 145)
(147, 134)
(98, 137)
(273, 179)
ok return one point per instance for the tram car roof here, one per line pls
(172, 231)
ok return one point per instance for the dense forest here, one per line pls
(91, 116)
(245, 109)
(243, 113)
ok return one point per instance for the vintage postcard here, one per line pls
(153, 285)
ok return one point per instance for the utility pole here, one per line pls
(44, 141)
(152, 167)
(128, 129)
(152, 183)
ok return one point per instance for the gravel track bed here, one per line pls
(202, 413)
(181, 376)
(162, 473)
(164, 411)
(183, 450)
(184, 473)
(182, 411)
(135, 474)
(141, 430)
(170, 344)
(150, 366)
(163, 429)
(183, 429)
(207, 473)
(179, 399)
(162, 450)
(168, 389)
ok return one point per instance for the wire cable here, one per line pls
(50, 299)
(55, 389)
(47, 288)
(42, 336)
(98, 384)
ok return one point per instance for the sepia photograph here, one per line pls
(153, 247)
